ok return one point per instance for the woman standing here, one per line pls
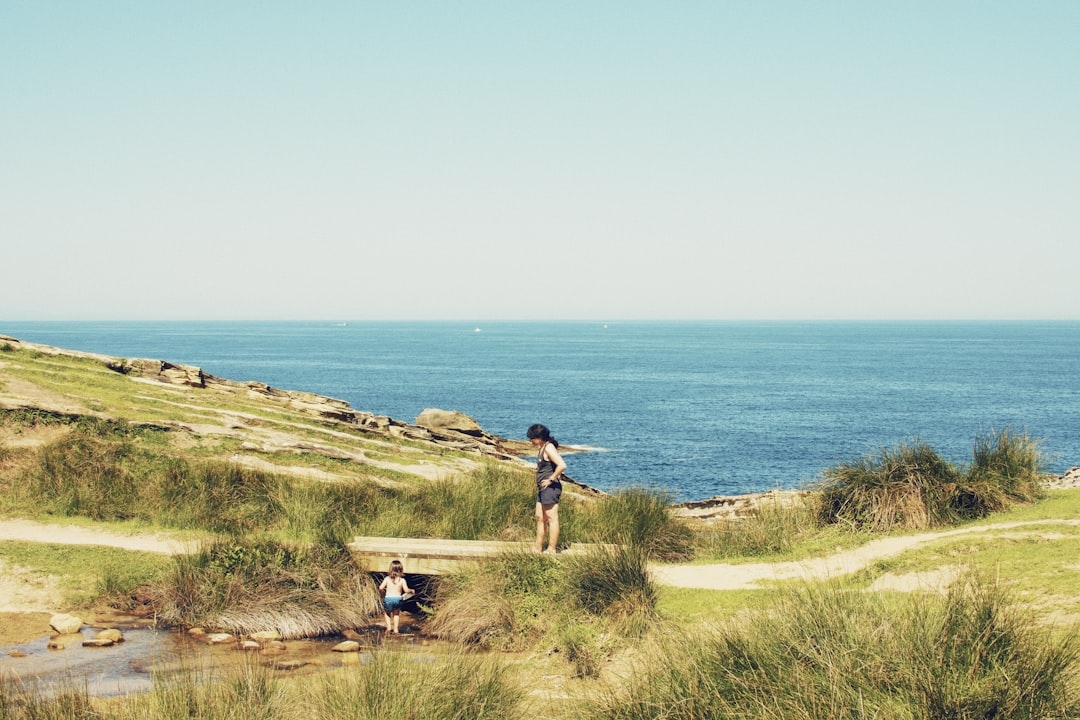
(549, 468)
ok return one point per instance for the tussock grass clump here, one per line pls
(914, 487)
(248, 585)
(392, 687)
(218, 496)
(910, 487)
(614, 583)
(771, 528)
(84, 473)
(520, 598)
(1010, 461)
(823, 652)
(503, 603)
(491, 502)
(639, 517)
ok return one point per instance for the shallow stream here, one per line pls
(130, 666)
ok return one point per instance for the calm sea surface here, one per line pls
(699, 409)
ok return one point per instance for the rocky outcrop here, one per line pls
(449, 429)
(735, 507)
(1069, 479)
(452, 420)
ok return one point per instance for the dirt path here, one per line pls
(746, 576)
(712, 577)
(31, 531)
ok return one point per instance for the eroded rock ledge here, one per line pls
(449, 429)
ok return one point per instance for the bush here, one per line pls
(613, 583)
(392, 687)
(824, 652)
(641, 518)
(248, 585)
(503, 603)
(913, 487)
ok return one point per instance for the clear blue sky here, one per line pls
(512, 160)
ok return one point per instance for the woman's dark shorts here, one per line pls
(550, 495)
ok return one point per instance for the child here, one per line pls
(393, 587)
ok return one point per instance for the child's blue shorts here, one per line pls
(390, 604)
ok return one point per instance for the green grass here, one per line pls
(90, 573)
(823, 652)
(392, 686)
(638, 517)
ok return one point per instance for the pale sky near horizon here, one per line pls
(510, 160)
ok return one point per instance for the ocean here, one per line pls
(697, 409)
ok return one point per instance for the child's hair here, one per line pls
(539, 431)
(396, 568)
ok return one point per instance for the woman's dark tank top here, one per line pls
(544, 467)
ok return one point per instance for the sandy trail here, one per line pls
(747, 576)
(710, 577)
(31, 531)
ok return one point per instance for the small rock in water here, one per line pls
(97, 642)
(348, 646)
(65, 624)
(54, 645)
(15, 653)
(110, 634)
(250, 645)
(265, 635)
(286, 664)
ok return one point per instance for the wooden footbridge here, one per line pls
(425, 556)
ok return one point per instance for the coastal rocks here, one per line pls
(1070, 479)
(65, 624)
(436, 419)
(735, 507)
(162, 371)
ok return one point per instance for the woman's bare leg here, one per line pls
(540, 527)
(551, 513)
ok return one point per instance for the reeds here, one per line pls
(391, 687)
(249, 585)
(402, 687)
(912, 486)
(520, 597)
(827, 653)
(641, 518)
(770, 528)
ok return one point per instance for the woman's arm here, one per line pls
(560, 465)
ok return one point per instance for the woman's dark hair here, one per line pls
(539, 431)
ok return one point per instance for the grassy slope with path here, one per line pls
(1034, 548)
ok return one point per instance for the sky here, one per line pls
(539, 160)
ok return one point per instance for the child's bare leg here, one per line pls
(387, 622)
(397, 615)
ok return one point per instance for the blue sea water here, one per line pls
(696, 408)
